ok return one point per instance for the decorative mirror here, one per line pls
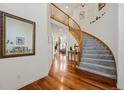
(18, 36)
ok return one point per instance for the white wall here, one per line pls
(49, 32)
(105, 28)
(120, 64)
(17, 72)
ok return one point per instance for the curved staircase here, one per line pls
(94, 55)
(96, 58)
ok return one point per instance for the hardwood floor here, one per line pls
(63, 76)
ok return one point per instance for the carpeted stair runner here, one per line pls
(96, 58)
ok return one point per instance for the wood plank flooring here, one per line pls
(64, 76)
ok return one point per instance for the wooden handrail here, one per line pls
(75, 22)
(59, 21)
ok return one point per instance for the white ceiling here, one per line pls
(68, 7)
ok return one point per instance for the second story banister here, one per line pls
(69, 17)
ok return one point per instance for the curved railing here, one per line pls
(74, 28)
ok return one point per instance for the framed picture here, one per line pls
(101, 6)
(19, 40)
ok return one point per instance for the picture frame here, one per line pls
(101, 6)
(19, 40)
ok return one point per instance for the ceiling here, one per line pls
(68, 7)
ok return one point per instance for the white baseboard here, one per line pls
(29, 82)
(120, 86)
